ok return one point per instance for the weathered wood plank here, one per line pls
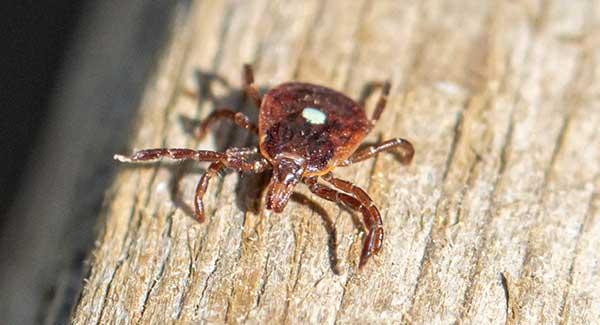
(498, 99)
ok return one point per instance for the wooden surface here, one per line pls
(496, 220)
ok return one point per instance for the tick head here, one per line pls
(287, 171)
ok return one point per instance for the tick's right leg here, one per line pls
(372, 219)
(240, 159)
(149, 155)
(212, 171)
(250, 88)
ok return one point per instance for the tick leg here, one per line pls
(380, 106)
(374, 241)
(212, 171)
(372, 219)
(250, 88)
(238, 118)
(405, 149)
(385, 91)
(236, 158)
(240, 159)
(149, 155)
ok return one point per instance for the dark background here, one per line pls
(73, 76)
(35, 41)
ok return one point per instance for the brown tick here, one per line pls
(305, 131)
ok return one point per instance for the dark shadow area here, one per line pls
(329, 226)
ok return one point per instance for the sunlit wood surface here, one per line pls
(497, 218)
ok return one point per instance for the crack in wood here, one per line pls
(590, 212)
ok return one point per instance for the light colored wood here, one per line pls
(501, 102)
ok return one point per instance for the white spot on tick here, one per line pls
(314, 115)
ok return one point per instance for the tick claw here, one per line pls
(362, 262)
(122, 158)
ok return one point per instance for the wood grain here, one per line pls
(496, 220)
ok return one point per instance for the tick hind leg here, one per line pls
(361, 202)
(404, 149)
(238, 118)
(250, 88)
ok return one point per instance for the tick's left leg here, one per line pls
(361, 202)
(405, 150)
(374, 241)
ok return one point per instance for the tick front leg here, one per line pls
(372, 219)
(240, 159)
(238, 118)
(149, 155)
(250, 88)
(405, 149)
(212, 171)
(374, 241)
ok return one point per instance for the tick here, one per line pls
(305, 131)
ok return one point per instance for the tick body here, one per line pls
(305, 131)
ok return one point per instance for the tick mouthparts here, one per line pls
(278, 195)
(287, 172)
